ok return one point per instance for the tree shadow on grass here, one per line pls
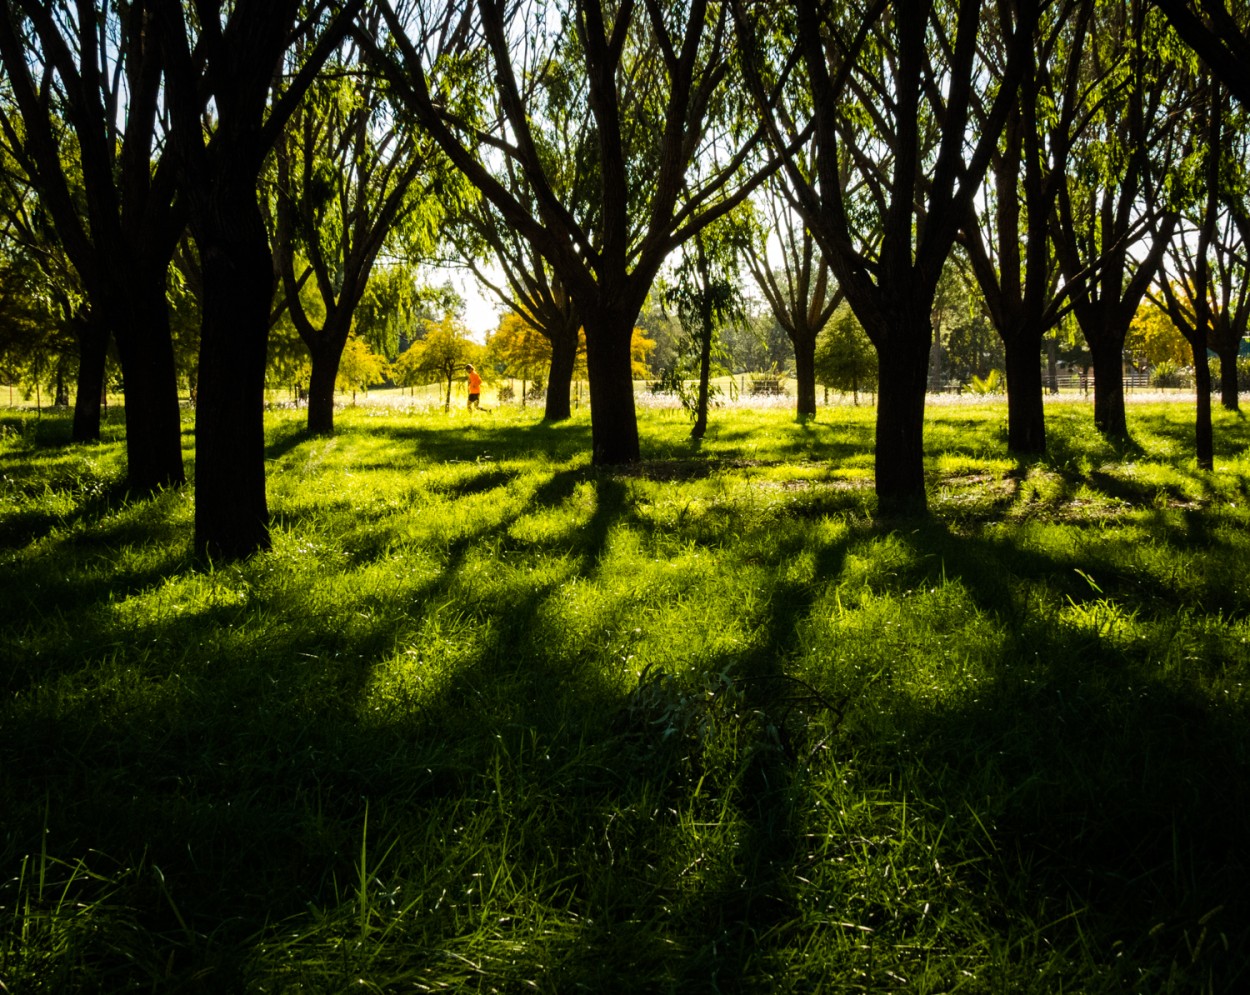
(244, 774)
(1101, 790)
(556, 441)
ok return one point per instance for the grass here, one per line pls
(489, 719)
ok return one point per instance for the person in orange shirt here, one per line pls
(475, 387)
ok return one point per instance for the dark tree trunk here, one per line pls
(93, 341)
(231, 514)
(1026, 418)
(609, 370)
(902, 371)
(560, 378)
(326, 355)
(699, 429)
(1204, 445)
(1228, 378)
(1052, 365)
(140, 321)
(1107, 352)
(805, 374)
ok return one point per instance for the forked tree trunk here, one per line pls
(560, 378)
(231, 513)
(1204, 443)
(139, 316)
(902, 373)
(1107, 352)
(1229, 398)
(613, 420)
(1026, 417)
(92, 336)
(805, 374)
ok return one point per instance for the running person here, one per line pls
(475, 387)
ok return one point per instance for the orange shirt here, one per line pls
(475, 382)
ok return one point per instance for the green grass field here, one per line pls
(488, 719)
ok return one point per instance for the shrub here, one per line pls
(993, 383)
(1167, 374)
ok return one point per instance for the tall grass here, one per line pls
(487, 718)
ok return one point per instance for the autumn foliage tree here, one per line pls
(520, 351)
(439, 357)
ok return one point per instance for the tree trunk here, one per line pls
(1026, 419)
(609, 370)
(231, 514)
(699, 429)
(93, 341)
(325, 371)
(1052, 364)
(560, 378)
(1107, 352)
(139, 316)
(1204, 445)
(805, 374)
(902, 370)
(1228, 378)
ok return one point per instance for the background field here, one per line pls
(487, 718)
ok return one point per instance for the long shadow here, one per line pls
(287, 437)
(232, 785)
(1115, 795)
(734, 735)
(20, 528)
(245, 782)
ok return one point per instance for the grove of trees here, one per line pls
(252, 165)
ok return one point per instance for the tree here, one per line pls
(221, 62)
(82, 118)
(1110, 204)
(520, 350)
(1007, 242)
(966, 344)
(1153, 338)
(533, 292)
(844, 356)
(756, 343)
(902, 136)
(656, 126)
(1205, 289)
(801, 292)
(1220, 34)
(346, 166)
(439, 357)
(1196, 299)
(359, 366)
(640, 349)
(706, 296)
(46, 321)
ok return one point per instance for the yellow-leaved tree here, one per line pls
(440, 356)
(359, 366)
(640, 349)
(519, 351)
(1154, 339)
